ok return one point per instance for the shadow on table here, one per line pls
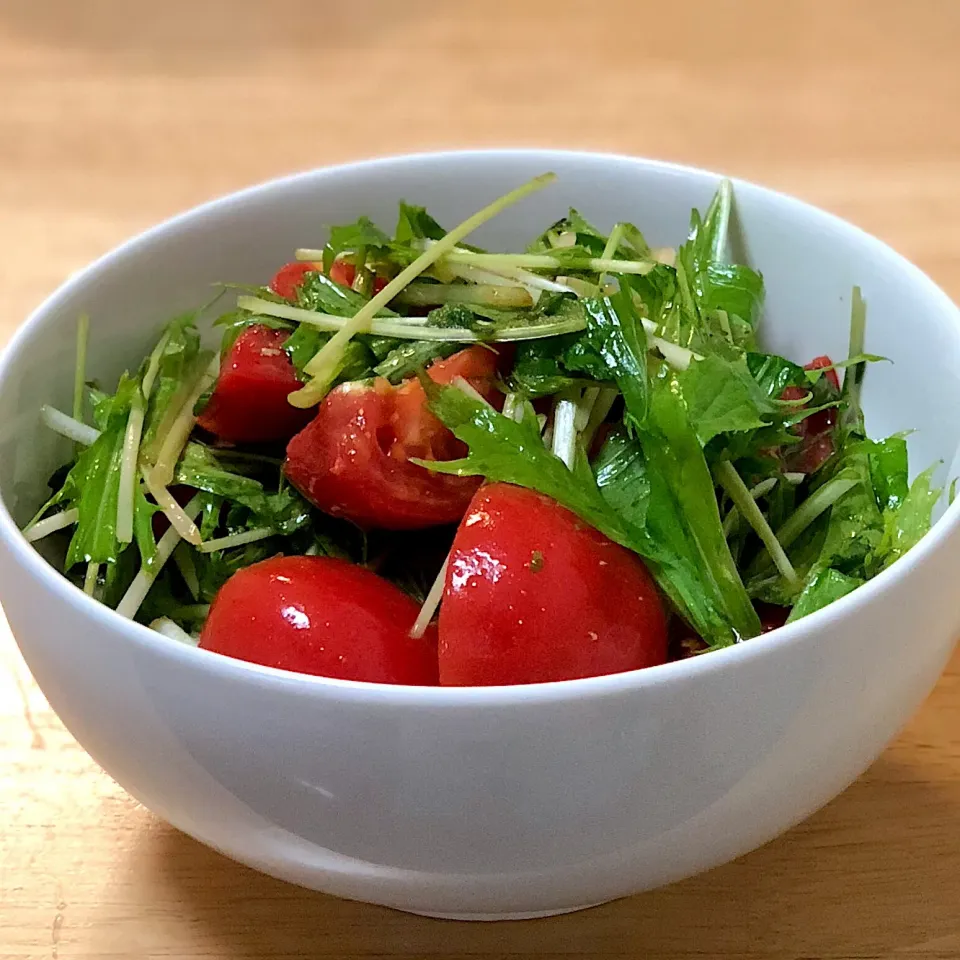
(872, 874)
(197, 36)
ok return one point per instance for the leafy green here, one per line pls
(285, 511)
(723, 396)
(412, 355)
(675, 458)
(414, 223)
(94, 481)
(614, 347)
(825, 587)
(905, 524)
(363, 234)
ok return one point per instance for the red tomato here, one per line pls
(818, 363)
(353, 459)
(249, 402)
(535, 594)
(320, 616)
(289, 277)
(344, 272)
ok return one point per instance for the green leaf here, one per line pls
(906, 524)
(414, 223)
(94, 482)
(510, 451)
(413, 355)
(825, 587)
(645, 502)
(675, 456)
(723, 396)
(616, 350)
(889, 471)
(774, 374)
(286, 511)
(181, 362)
(363, 234)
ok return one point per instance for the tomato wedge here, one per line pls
(249, 402)
(534, 594)
(321, 616)
(353, 459)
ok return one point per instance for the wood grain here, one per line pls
(114, 115)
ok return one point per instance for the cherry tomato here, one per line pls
(249, 402)
(353, 459)
(534, 594)
(321, 616)
(289, 277)
(344, 272)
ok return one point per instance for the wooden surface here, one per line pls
(114, 115)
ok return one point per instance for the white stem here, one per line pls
(487, 294)
(406, 329)
(66, 426)
(325, 361)
(543, 261)
(760, 490)
(513, 407)
(236, 539)
(431, 602)
(127, 485)
(177, 515)
(143, 581)
(176, 437)
(564, 441)
(601, 409)
(91, 577)
(466, 387)
(174, 631)
(43, 528)
(732, 482)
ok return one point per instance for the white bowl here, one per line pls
(498, 802)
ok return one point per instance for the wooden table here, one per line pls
(115, 115)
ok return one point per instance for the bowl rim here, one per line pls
(695, 668)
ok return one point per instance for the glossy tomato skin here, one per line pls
(353, 459)
(534, 594)
(288, 278)
(249, 402)
(321, 616)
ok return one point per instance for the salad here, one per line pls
(416, 461)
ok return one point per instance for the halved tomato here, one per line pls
(353, 459)
(249, 401)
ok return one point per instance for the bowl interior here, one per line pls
(809, 259)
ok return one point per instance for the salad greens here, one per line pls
(638, 396)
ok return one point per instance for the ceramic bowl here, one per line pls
(512, 801)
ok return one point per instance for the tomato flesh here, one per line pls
(534, 594)
(320, 616)
(353, 459)
(249, 402)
